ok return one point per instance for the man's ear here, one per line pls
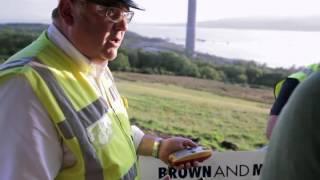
(66, 11)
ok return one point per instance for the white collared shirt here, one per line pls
(30, 146)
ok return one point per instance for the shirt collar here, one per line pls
(84, 63)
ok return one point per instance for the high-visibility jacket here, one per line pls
(300, 76)
(95, 129)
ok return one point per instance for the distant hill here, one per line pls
(311, 23)
(132, 41)
(29, 27)
(135, 41)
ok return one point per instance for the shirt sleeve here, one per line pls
(287, 88)
(137, 135)
(30, 147)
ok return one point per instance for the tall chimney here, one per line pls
(191, 28)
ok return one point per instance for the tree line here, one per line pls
(172, 63)
(168, 63)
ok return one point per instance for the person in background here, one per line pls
(61, 115)
(293, 151)
(283, 90)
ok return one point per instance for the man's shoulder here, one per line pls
(15, 68)
(312, 83)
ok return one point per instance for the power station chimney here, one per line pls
(191, 28)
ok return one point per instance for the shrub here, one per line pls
(121, 63)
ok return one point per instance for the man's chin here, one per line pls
(112, 59)
(111, 55)
(107, 57)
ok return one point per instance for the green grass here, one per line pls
(174, 110)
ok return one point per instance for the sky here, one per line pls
(172, 11)
(175, 11)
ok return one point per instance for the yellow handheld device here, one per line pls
(197, 153)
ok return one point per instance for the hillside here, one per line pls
(215, 87)
(215, 115)
(25, 27)
(131, 41)
(135, 41)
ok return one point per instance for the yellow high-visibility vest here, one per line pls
(95, 129)
(300, 76)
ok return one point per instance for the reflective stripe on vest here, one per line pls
(14, 64)
(300, 76)
(74, 123)
(58, 87)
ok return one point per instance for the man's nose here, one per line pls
(122, 25)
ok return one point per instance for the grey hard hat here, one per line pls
(130, 3)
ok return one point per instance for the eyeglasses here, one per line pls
(114, 14)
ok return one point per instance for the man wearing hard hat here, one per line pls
(61, 115)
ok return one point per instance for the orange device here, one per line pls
(197, 153)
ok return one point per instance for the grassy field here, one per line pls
(213, 117)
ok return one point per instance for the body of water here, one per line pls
(274, 48)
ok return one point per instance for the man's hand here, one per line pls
(174, 144)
